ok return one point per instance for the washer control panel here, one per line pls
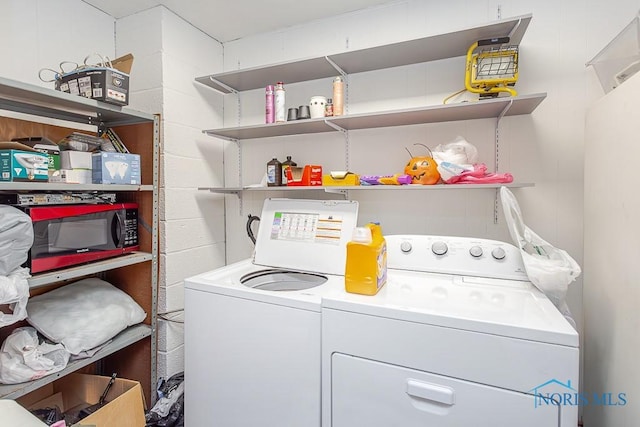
(463, 256)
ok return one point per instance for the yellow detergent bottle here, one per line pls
(366, 268)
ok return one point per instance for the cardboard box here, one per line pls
(306, 176)
(116, 168)
(19, 162)
(341, 179)
(71, 176)
(100, 82)
(70, 159)
(125, 401)
(43, 145)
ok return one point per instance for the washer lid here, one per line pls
(305, 235)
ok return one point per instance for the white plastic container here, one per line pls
(281, 111)
(317, 106)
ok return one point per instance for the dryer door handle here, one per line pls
(432, 392)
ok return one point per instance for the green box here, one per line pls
(43, 145)
(19, 165)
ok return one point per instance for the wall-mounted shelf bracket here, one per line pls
(335, 126)
(515, 28)
(505, 110)
(102, 128)
(345, 133)
(226, 87)
(336, 66)
(343, 192)
(497, 154)
(226, 138)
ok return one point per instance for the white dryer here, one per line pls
(456, 337)
(252, 329)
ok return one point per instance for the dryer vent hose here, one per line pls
(250, 221)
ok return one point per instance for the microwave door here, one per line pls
(118, 229)
(86, 233)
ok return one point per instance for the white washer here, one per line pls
(456, 337)
(252, 351)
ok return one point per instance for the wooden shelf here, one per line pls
(47, 278)
(415, 51)
(36, 110)
(120, 341)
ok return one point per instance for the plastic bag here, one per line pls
(476, 174)
(16, 238)
(14, 290)
(169, 409)
(22, 358)
(550, 269)
(458, 152)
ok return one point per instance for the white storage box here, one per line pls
(71, 176)
(70, 159)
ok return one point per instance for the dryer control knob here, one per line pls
(498, 253)
(406, 247)
(475, 251)
(439, 247)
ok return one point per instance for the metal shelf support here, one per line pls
(497, 158)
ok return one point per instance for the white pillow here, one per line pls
(83, 314)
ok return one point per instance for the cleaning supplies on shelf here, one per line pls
(340, 178)
(395, 179)
(366, 266)
(309, 175)
(274, 173)
(280, 110)
(285, 165)
(269, 108)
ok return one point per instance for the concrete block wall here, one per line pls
(169, 53)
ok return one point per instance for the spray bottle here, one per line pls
(269, 105)
(280, 109)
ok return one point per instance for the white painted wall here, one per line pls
(36, 34)
(611, 293)
(545, 147)
(169, 53)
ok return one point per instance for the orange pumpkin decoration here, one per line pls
(422, 169)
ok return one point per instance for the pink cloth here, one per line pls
(479, 175)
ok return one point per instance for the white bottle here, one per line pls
(281, 113)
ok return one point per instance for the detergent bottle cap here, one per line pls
(362, 235)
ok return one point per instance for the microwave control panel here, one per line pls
(131, 228)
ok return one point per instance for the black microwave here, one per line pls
(66, 235)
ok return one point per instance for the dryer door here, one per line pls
(374, 394)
